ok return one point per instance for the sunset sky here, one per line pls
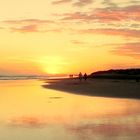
(68, 36)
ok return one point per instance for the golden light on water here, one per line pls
(50, 113)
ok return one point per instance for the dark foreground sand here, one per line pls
(97, 87)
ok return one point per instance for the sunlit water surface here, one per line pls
(30, 112)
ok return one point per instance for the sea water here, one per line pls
(30, 112)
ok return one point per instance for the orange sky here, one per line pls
(68, 36)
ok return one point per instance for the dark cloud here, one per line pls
(57, 2)
(74, 3)
(109, 3)
(106, 14)
(115, 32)
(135, 1)
(30, 25)
(28, 21)
(82, 2)
(135, 25)
(128, 49)
(33, 29)
(75, 16)
(26, 29)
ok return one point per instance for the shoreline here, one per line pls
(97, 87)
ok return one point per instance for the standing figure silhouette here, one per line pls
(80, 76)
(85, 76)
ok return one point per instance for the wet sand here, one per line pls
(97, 87)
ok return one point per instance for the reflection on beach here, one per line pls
(31, 112)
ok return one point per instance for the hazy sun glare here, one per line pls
(52, 64)
(53, 70)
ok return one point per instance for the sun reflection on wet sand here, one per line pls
(45, 112)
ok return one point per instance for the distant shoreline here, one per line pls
(124, 74)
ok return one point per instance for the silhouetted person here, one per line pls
(71, 76)
(85, 76)
(80, 76)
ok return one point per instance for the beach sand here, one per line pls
(97, 87)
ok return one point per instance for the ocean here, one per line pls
(30, 112)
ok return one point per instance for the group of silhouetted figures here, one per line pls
(81, 76)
